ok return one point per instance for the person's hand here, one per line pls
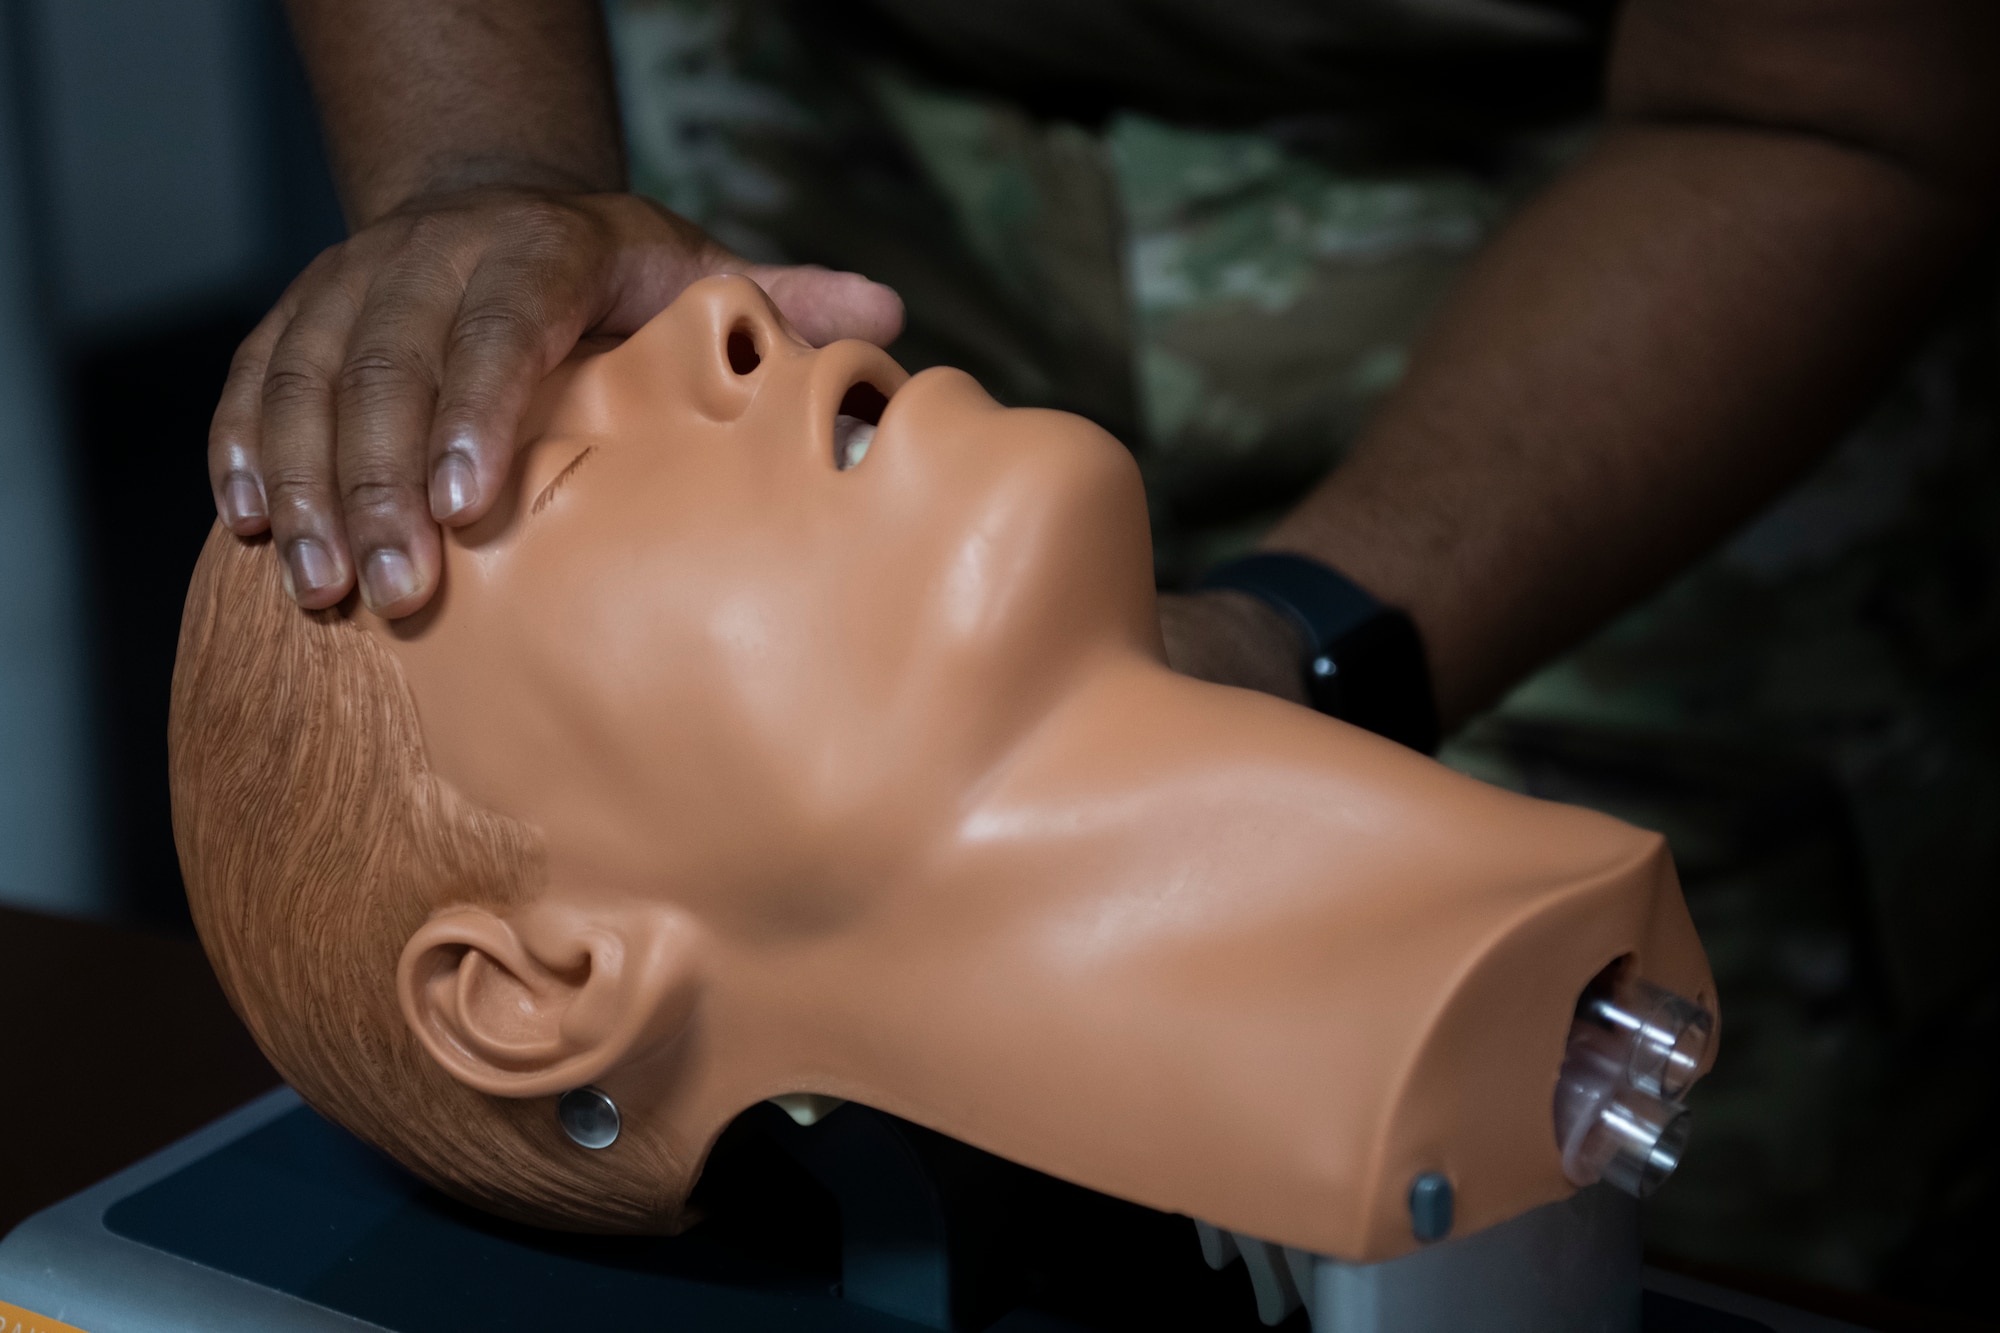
(1232, 638)
(381, 395)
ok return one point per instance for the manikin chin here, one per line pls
(824, 714)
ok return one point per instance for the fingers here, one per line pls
(428, 329)
(387, 392)
(382, 395)
(825, 305)
(296, 445)
(521, 314)
(235, 475)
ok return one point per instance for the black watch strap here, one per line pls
(1363, 660)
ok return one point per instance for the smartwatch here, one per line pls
(1362, 660)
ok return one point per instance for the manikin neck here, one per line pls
(1128, 951)
(1182, 949)
(1124, 953)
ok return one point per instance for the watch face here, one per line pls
(1369, 668)
(1374, 676)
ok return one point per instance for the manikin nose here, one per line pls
(752, 335)
(721, 339)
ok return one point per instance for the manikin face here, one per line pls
(686, 570)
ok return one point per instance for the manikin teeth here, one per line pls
(851, 438)
(807, 1108)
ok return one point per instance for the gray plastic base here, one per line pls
(66, 1264)
(1569, 1265)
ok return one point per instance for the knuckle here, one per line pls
(429, 229)
(367, 247)
(542, 219)
(324, 264)
(463, 412)
(436, 243)
(339, 266)
(501, 326)
(246, 364)
(373, 374)
(550, 236)
(289, 386)
(331, 282)
(431, 280)
(375, 493)
(295, 494)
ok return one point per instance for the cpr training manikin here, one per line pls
(797, 726)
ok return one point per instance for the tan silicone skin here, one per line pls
(874, 783)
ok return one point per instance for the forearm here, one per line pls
(422, 97)
(1676, 328)
(1645, 357)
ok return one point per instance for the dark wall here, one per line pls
(139, 397)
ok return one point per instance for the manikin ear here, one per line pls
(541, 999)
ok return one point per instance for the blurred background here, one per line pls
(161, 179)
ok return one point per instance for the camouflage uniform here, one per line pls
(1808, 715)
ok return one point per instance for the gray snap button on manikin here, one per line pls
(589, 1118)
(1430, 1206)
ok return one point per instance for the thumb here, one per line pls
(826, 305)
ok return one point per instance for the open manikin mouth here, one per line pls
(854, 424)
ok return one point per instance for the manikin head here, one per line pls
(752, 747)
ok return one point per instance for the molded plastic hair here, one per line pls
(314, 840)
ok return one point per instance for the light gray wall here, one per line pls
(48, 840)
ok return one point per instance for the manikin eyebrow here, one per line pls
(555, 483)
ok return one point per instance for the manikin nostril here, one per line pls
(743, 356)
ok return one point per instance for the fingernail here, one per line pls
(308, 568)
(454, 486)
(387, 578)
(242, 499)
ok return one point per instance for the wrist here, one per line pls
(469, 179)
(1360, 660)
(1232, 638)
